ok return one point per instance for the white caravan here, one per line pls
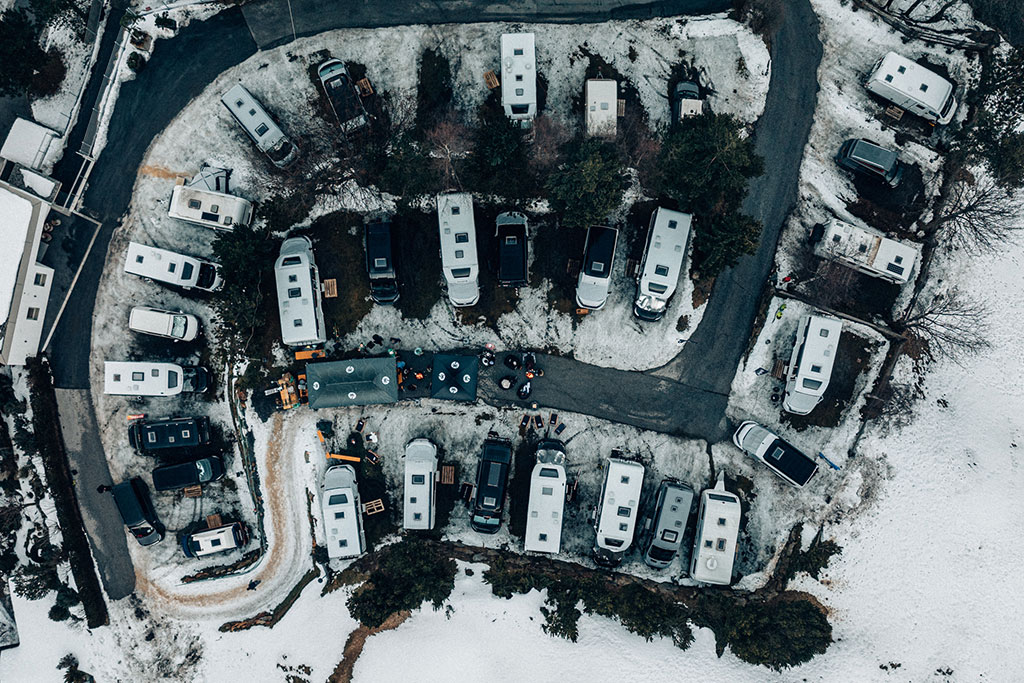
(867, 251)
(518, 77)
(204, 201)
(171, 268)
(420, 484)
(159, 323)
(343, 515)
(458, 247)
(260, 126)
(913, 87)
(547, 499)
(298, 294)
(617, 512)
(718, 527)
(143, 378)
(667, 238)
(602, 102)
(810, 365)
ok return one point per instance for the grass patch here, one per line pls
(417, 251)
(852, 357)
(553, 248)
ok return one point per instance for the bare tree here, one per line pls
(949, 325)
(637, 143)
(548, 137)
(833, 285)
(449, 141)
(977, 215)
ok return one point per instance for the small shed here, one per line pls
(356, 382)
(455, 377)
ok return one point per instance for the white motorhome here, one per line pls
(171, 268)
(519, 77)
(867, 251)
(547, 499)
(458, 247)
(913, 87)
(667, 239)
(718, 527)
(618, 510)
(205, 201)
(343, 515)
(810, 365)
(602, 102)
(159, 323)
(260, 126)
(298, 294)
(217, 540)
(420, 484)
(143, 378)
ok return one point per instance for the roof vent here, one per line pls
(441, 376)
(316, 386)
(352, 395)
(453, 390)
(349, 369)
(712, 564)
(455, 365)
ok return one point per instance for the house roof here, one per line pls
(27, 143)
(455, 377)
(357, 382)
(16, 215)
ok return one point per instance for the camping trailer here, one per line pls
(602, 103)
(458, 247)
(810, 365)
(343, 515)
(420, 484)
(298, 294)
(216, 540)
(547, 498)
(718, 527)
(260, 126)
(667, 239)
(204, 201)
(142, 378)
(172, 268)
(618, 510)
(913, 87)
(867, 251)
(519, 77)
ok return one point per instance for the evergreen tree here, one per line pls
(19, 52)
(499, 163)
(589, 186)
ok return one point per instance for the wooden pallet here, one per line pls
(373, 507)
(893, 112)
(620, 108)
(365, 89)
(572, 267)
(310, 354)
(632, 267)
(779, 369)
(582, 311)
(213, 521)
(447, 474)
(491, 79)
(330, 288)
(193, 491)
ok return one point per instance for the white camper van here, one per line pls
(810, 365)
(667, 238)
(718, 527)
(298, 294)
(343, 515)
(159, 323)
(193, 202)
(260, 126)
(867, 251)
(547, 498)
(618, 510)
(519, 77)
(911, 86)
(142, 378)
(171, 268)
(420, 484)
(458, 247)
(602, 102)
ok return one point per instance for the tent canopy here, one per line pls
(357, 382)
(454, 377)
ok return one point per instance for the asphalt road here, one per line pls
(276, 22)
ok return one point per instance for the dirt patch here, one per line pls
(355, 643)
(495, 300)
(417, 246)
(886, 208)
(160, 172)
(557, 254)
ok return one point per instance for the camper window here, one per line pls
(419, 479)
(623, 526)
(460, 272)
(412, 500)
(517, 51)
(721, 521)
(669, 536)
(342, 543)
(519, 78)
(261, 129)
(661, 270)
(520, 108)
(775, 455)
(812, 384)
(297, 322)
(624, 479)
(337, 499)
(186, 270)
(510, 240)
(549, 472)
(519, 92)
(623, 511)
(138, 376)
(172, 380)
(294, 292)
(823, 332)
(613, 542)
(924, 87)
(547, 491)
(656, 288)
(673, 224)
(709, 543)
(194, 204)
(902, 69)
(461, 237)
(542, 537)
(339, 515)
(721, 544)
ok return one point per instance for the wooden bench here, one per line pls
(779, 369)
(365, 89)
(620, 108)
(193, 491)
(373, 507)
(893, 112)
(491, 79)
(447, 474)
(213, 521)
(632, 267)
(330, 288)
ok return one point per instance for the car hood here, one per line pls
(591, 291)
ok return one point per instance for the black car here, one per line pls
(136, 507)
(513, 255)
(191, 473)
(169, 434)
(380, 263)
(869, 159)
(491, 484)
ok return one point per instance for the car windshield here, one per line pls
(207, 275)
(486, 521)
(186, 271)
(142, 530)
(203, 468)
(661, 554)
(179, 324)
(172, 379)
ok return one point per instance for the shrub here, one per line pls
(779, 634)
(34, 582)
(763, 16)
(589, 186)
(59, 613)
(246, 259)
(433, 89)
(408, 170)
(281, 212)
(19, 52)
(50, 74)
(499, 163)
(136, 62)
(719, 241)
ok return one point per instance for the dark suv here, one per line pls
(867, 158)
(380, 263)
(136, 508)
(191, 473)
(170, 434)
(513, 249)
(491, 484)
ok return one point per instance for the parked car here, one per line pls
(218, 540)
(667, 526)
(781, 457)
(169, 434)
(174, 325)
(869, 159)
(191, 473)
(343, 94)
(686, 101)
(380, 262)
(596, 273)
(491, 485)
(513, 249)
(136, 507)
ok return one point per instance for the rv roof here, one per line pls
(297, 293)
(663, 260)
(620, 500)
(339, 499)
(518, 69)
(544, 513)
(458, 231)
(602, 106)
(820, 345)
(921, 83)
(209, 209)
(720, 525)
(868, 249)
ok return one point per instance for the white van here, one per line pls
(343, 515)
(718, 528)
(217, 540)
(159, 323)
(260, 126)
(596, 273)
(458, 247)
(667, 238)
(298, 294)
(420, 484)
(171, 268)
(142, 378)
(547, 499)
(911, 86)
(618, 510)
(810, 365)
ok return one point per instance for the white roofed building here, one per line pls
(519, 77)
